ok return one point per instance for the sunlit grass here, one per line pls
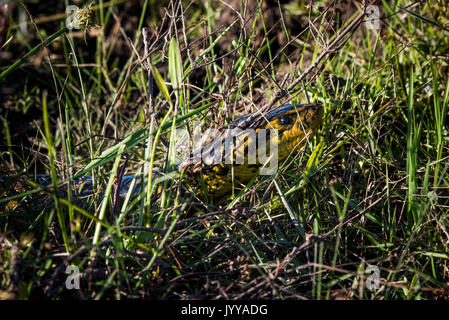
(369, 189)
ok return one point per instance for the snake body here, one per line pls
(294, 124)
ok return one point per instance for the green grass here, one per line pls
(371, 188)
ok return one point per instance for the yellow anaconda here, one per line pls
(294, 124)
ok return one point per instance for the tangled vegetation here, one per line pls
(105, 97)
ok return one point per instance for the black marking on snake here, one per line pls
(284, 120)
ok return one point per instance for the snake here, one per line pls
(292, 124)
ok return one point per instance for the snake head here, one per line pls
(301, 116)
(295, 124)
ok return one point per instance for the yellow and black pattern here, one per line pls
(294, 124)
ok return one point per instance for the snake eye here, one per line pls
(285, 120)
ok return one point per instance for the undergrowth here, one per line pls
(370, 190)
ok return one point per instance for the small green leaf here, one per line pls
(175, 68)
(160, 83)
(203, 53)
(312, 162)
(430, 21)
